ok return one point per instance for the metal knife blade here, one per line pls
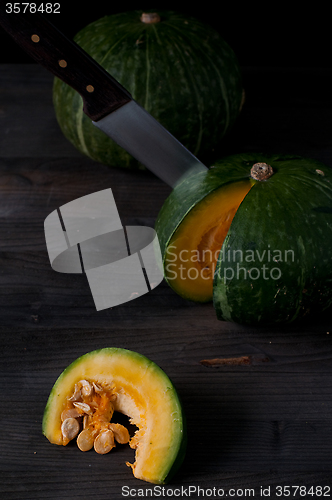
(143, 137)
(110, 107)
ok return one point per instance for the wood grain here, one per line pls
(265, 422)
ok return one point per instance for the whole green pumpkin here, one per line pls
(253, 234)
(178, 68)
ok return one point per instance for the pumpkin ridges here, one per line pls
(277, 217)
(199, 48)
(148, 34)
(80, 130)
(194, 90)
(111, 49)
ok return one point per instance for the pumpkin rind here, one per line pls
(144, 393)
(274, 264)
(285, 223)
(179, 69)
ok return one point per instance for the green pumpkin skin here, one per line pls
(282, 227)
(285, 222)
(179, 69)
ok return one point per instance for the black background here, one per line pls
(272, 34)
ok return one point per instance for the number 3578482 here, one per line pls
(32, 8)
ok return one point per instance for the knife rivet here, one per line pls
(90, 88)
(62, 63)
(35, 38)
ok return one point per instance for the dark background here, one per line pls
(270, 34)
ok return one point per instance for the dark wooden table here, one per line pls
(261, 424)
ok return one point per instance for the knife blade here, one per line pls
(105, 101)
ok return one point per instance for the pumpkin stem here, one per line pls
(261, 171)
(150, 17)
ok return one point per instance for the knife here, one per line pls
(105, 101)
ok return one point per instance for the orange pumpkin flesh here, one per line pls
(193, 251)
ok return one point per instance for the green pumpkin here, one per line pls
(260, 248)
(179, 69)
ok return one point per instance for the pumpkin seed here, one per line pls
(83, 406)
(86, 388)
(104, 442)
(70, 413)
(85, 440)
(69, 428)
(76, 396)
(97, 387)
(94, 403)
(121, 433)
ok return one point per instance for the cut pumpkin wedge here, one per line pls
(87, 393)
(192, 253)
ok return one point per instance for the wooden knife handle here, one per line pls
(101, 93)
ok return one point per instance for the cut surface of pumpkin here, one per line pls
(192, 253)
(269, 219)
(83, 399)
